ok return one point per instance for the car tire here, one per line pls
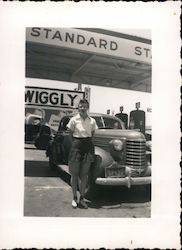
(91, 191)
(148, 190)
(92, 188)
(42, 142)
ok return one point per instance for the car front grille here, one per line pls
(135, 154)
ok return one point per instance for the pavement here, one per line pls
(48, 194)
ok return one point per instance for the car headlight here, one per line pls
(149, 145)
(117, 145)
(116, 149)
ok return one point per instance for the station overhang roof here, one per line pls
(89, 56)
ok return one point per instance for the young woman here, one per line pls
(82, 128)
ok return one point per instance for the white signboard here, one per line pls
(91, 42)
(51, 104)
(57, 98)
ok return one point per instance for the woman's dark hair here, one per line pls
(83, 101)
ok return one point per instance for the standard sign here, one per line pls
(57, 98)
(91, 42)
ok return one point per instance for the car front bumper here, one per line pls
(126, 181)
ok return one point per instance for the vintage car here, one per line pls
(36, 131)
(120, 155)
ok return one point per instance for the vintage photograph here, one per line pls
(90, 125)
(88, 122)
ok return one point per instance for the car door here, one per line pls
(65, 137)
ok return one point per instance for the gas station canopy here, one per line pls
(89, 56)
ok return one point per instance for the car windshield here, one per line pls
(111, 123)
(102, 122)
(99, 121)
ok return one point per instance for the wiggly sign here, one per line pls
(57, 98)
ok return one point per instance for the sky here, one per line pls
(144, 33)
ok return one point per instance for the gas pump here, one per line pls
(137, 119)
(123, 116)
(108, 111)
(87, 91)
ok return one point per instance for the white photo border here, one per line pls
(162, 230)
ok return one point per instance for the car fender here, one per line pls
(49, 148)
(102, 160)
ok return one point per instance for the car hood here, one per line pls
(116, 133)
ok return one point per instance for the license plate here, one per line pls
(115, 172)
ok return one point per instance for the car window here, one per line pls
(112, 123)
(98, 121)
(108, 123)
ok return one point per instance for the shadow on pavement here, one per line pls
(41, 169)
(105, 196)
(113, 197)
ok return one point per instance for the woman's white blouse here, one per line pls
(82, 128)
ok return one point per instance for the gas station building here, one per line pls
(111, 69)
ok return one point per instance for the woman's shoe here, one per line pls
(74, 204)
(83, 204)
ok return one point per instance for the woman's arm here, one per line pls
(70, 133)
(93, 133)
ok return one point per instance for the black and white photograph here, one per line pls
(90, 125)
(112, 71)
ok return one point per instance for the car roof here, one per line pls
(99, 115)
(31, 117)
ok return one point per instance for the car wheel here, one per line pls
(42, 142)
(92, 188)
(52, 165)
(91, 191)
(148, 190)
